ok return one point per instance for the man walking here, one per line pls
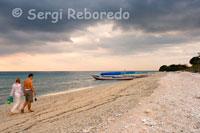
(28, 92)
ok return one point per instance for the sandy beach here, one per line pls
(163, 102)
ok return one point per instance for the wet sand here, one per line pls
(94, 109)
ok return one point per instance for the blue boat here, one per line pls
(120, 75)
(99, 77)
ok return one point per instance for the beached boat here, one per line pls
(120, 75)
(140, 76)
(98, 77)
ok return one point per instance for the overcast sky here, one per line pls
(158, 32)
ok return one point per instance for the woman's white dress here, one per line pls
(17, 92)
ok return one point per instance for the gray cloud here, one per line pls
(163, 15)
(150, 16)
(130, 44)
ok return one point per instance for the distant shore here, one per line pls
(139, 105)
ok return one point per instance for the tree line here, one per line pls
(194, 61)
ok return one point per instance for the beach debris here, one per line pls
(147, 122)
(197, 97)
(197, 125)
(90, 129)
(129, 125)
(147, 111)
(110, 119)
(118, 115)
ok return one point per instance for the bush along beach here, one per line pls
(195, 66)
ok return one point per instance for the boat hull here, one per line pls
(111, 78)
(141, 76)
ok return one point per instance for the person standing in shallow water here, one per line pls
(28, 92)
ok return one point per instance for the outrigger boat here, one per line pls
(119, 75)
(97, 77)
(140, 76)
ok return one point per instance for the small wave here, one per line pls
(68, 91)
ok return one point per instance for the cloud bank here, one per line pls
(152, 25)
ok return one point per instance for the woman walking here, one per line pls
(17, 92)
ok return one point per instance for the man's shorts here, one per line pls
(29, 95)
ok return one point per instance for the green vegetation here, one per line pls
(193, 68)
(195, 62)
(173, 67)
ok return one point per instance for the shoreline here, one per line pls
(61, 92)
(80, 110)
(65, 92)
(75, 90)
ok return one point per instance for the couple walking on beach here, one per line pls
(28, 91)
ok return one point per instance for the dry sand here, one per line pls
(174, 107)
(159, 103)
